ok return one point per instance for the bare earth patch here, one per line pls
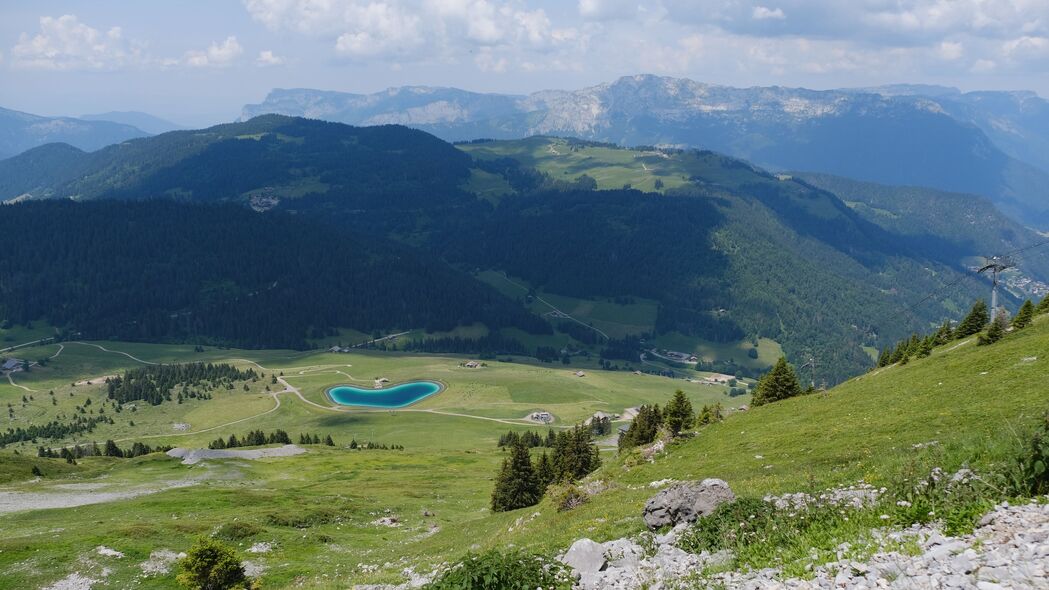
(193, 456)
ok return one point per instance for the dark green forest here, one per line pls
(222, 274)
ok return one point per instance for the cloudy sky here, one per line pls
(198, 61)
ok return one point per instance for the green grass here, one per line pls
(488, 186)
(614, 319)
(613, 167)
(319, 508)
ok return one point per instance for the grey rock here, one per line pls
(623, 553)
(686, 501)
(585, 556)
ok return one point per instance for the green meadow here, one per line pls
(320, 511)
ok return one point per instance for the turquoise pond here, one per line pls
(396, 396)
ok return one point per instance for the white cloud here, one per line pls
(489, 32)
(607, 9)
(216, 55)
(65, 43)
(1027, 48)
(982, 66)
(765, 13)
(267, 58)
(950, 50)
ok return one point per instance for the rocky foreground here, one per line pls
(1009, 549)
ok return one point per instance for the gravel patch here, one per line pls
(73, 581)
(13, 501)
(107, 552)
(193, 456)
(160, 562)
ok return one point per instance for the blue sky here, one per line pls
(198, 62)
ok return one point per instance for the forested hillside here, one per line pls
(163, 271)
(728, 252)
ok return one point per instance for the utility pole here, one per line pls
(996, 264)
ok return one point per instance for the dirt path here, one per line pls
(551, 306)
(12, 382)
(104, 349)
(387, 337)
(24, 344)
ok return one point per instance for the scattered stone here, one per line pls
(73, 581)
(263, 547)
(160, 562)
(585, 557)
(1008, 550)
(388, 521)
(107, 552)
(686, 501)
(253, 569)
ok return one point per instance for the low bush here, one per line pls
(237, 531)
(512, 570)
(212, 565)
(566, 496)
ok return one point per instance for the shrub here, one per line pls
(730, 525)
(1032, 475)
(237, 531)
(211, 565)
(513, 570)
(566, 497)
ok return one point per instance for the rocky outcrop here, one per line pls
(685, 502)
(1009, 549)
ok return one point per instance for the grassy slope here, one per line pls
(446, 468)
(963, 396)
(971, 399)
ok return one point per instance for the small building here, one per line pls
(472, 364)
(11, 364)
(544, 417)
(580, 374)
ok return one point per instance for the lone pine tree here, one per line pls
(1024, 316)
(975, 321)
(517, 485)
(779, 383)
(678, 414)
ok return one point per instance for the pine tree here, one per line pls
(944, 335)
(995, 332)
(975, 321)
(544, 471)
(1043, 307)
(678, 415)
(925, 348)
(1024, 316)
(643, 428)
(779, 383)
(112, 450)
(517, 485)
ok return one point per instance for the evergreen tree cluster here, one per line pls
(111, 449)
(529, 438)
(92, 266)
(643, 429)
(709, 414)
(373, 446)
(155, 383)
(522, 482)
(53, 429)
(975, 322)
(258, 437)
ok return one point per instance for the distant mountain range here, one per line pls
(146, 122)
(995, 144)
(22, 131)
